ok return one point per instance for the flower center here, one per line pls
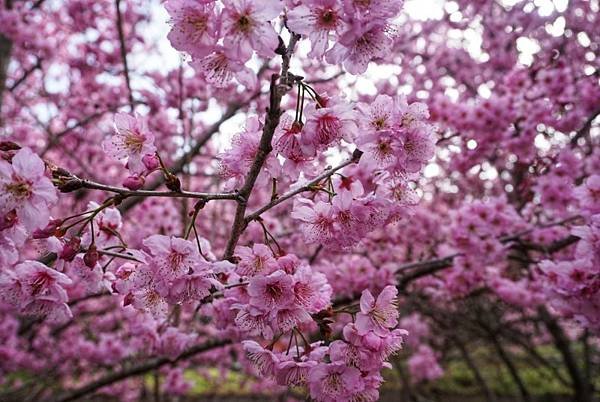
(40, 282)
(198, 22)
(274, 291)
(384, 148)
(333, 384)
(19, 189)
(175, 260)
(379, 123)
(134, 141)
(244, 24)
(328, 18)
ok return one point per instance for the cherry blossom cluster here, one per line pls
(478, 233)
(172, 270)
(345, 369)
(573, 285)
(395, 142)
(221, 36)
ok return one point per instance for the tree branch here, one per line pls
(177, 167)
(420, 269)
(277, 90)
(138, 370)
(125, 193)
(6, 46)
(124, 52)
(307, 187)
(585, 128)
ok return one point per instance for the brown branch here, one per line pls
(67, 182)
(585, 129)
(138, 370)
(420, 269)
(277, 90)
(124, 52)
(552, 247)
(462, 348)
(415, 270)
(581, 387)
(307, 187)
(125, 193)
(55, 138)
(516, 236)
(26, 74)
(177, 167)
(6, 45)
(512, 369)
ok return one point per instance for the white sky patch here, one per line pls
(424, 9)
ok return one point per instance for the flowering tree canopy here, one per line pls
(302, 191)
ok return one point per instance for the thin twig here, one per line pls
(138, 370)
(124, 52)
(276, 90)
(307, 187)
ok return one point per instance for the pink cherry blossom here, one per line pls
(247, 27)
(132, 140)
(173, 256)
(360, 44)
(221, 66)
(26, 189)
(327, 125)
(194, 26)
(378, 315)
(334, 382)
(318, 20)
(256, 260)
(271, 292)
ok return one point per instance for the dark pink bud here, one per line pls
(134, 182)
(70, 249)
(128, 299)
(91, 257)
(151, 162)
(48, 231)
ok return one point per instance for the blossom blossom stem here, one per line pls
(119, 255)
(125, 193)
(307, 187)
(191, 224)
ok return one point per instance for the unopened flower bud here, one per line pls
(151, 162)
(91, 257)
(70, 249)
(49, 230)
(134, 182)
(69, 185)
(128, 299)
(322, 101)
